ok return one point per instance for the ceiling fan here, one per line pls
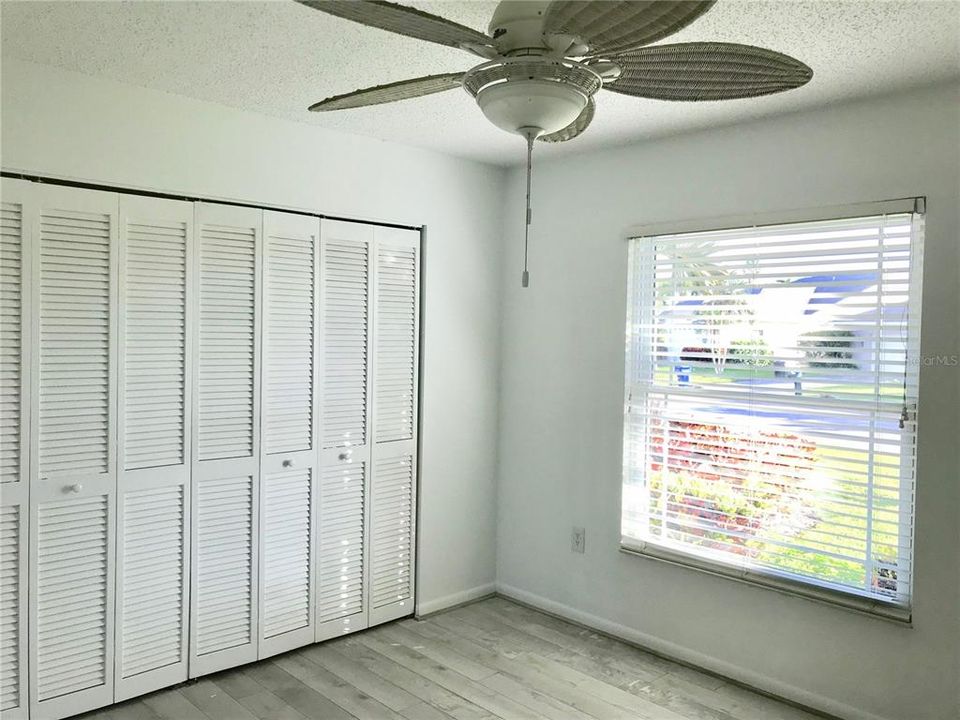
(545, 60)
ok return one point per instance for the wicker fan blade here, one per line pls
(707, 71)
(611, 27)
(402, 20)
(574, 128)
(391, 92)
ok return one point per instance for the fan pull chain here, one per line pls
(525, 278)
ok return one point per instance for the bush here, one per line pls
(830, 349)
(725, 484)
(753, 352)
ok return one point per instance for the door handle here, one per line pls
(75, 488)
(344, 456)
(287, 463)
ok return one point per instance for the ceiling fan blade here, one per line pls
(390, 92)
(402, 20)
(575, 128)
(707, 71)
(611, 27)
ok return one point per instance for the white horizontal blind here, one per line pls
(771, 386)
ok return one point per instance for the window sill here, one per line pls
(873, 608)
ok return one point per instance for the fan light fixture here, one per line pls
(547, 59)
(523, 95)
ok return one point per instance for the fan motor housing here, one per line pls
(518, 24)
(517, 94)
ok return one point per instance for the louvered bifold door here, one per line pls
(226, 439)
(156, 238)
(394, 454)
(289, 431)
(16, 223)
(345, 367)
(73, 488)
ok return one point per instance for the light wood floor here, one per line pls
(486, 661)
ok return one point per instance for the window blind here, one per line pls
(771, 400)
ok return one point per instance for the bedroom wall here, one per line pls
(65, 124)
(562, 397)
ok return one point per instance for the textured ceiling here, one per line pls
(279, 57)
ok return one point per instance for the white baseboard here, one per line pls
(446, 602)
(685, 655)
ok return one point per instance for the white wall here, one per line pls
(66, 124)
(562, 398)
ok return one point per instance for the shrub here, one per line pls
(753, 352)
(725, 484)
(830, 349)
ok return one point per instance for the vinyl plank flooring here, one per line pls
(348, 697)
(453, 681)
(170, 704)
(365, 680)
(214, 701)
(421, 711)
(437, 651)
(428, 691)
(267, 706)
(511, 642)
(130, 710)
(491, 660)
(597, 647)
(305, 700)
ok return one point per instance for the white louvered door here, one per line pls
(289, 431)
(345, 365)
(226, 439)
(393, 486)
(16, 215)
(153, 501)
(73, 486)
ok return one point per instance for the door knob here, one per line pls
(75, 488)
(287, 463)
(343, 456)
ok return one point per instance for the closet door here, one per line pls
(289, 431)
(394, 452)
(226, 440)
(16, 211)
(343, 530)
(153, 489)
(73, 489)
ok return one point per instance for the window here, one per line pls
(770, 414)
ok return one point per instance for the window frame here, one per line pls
(771, 579)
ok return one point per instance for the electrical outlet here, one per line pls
(578, 540)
